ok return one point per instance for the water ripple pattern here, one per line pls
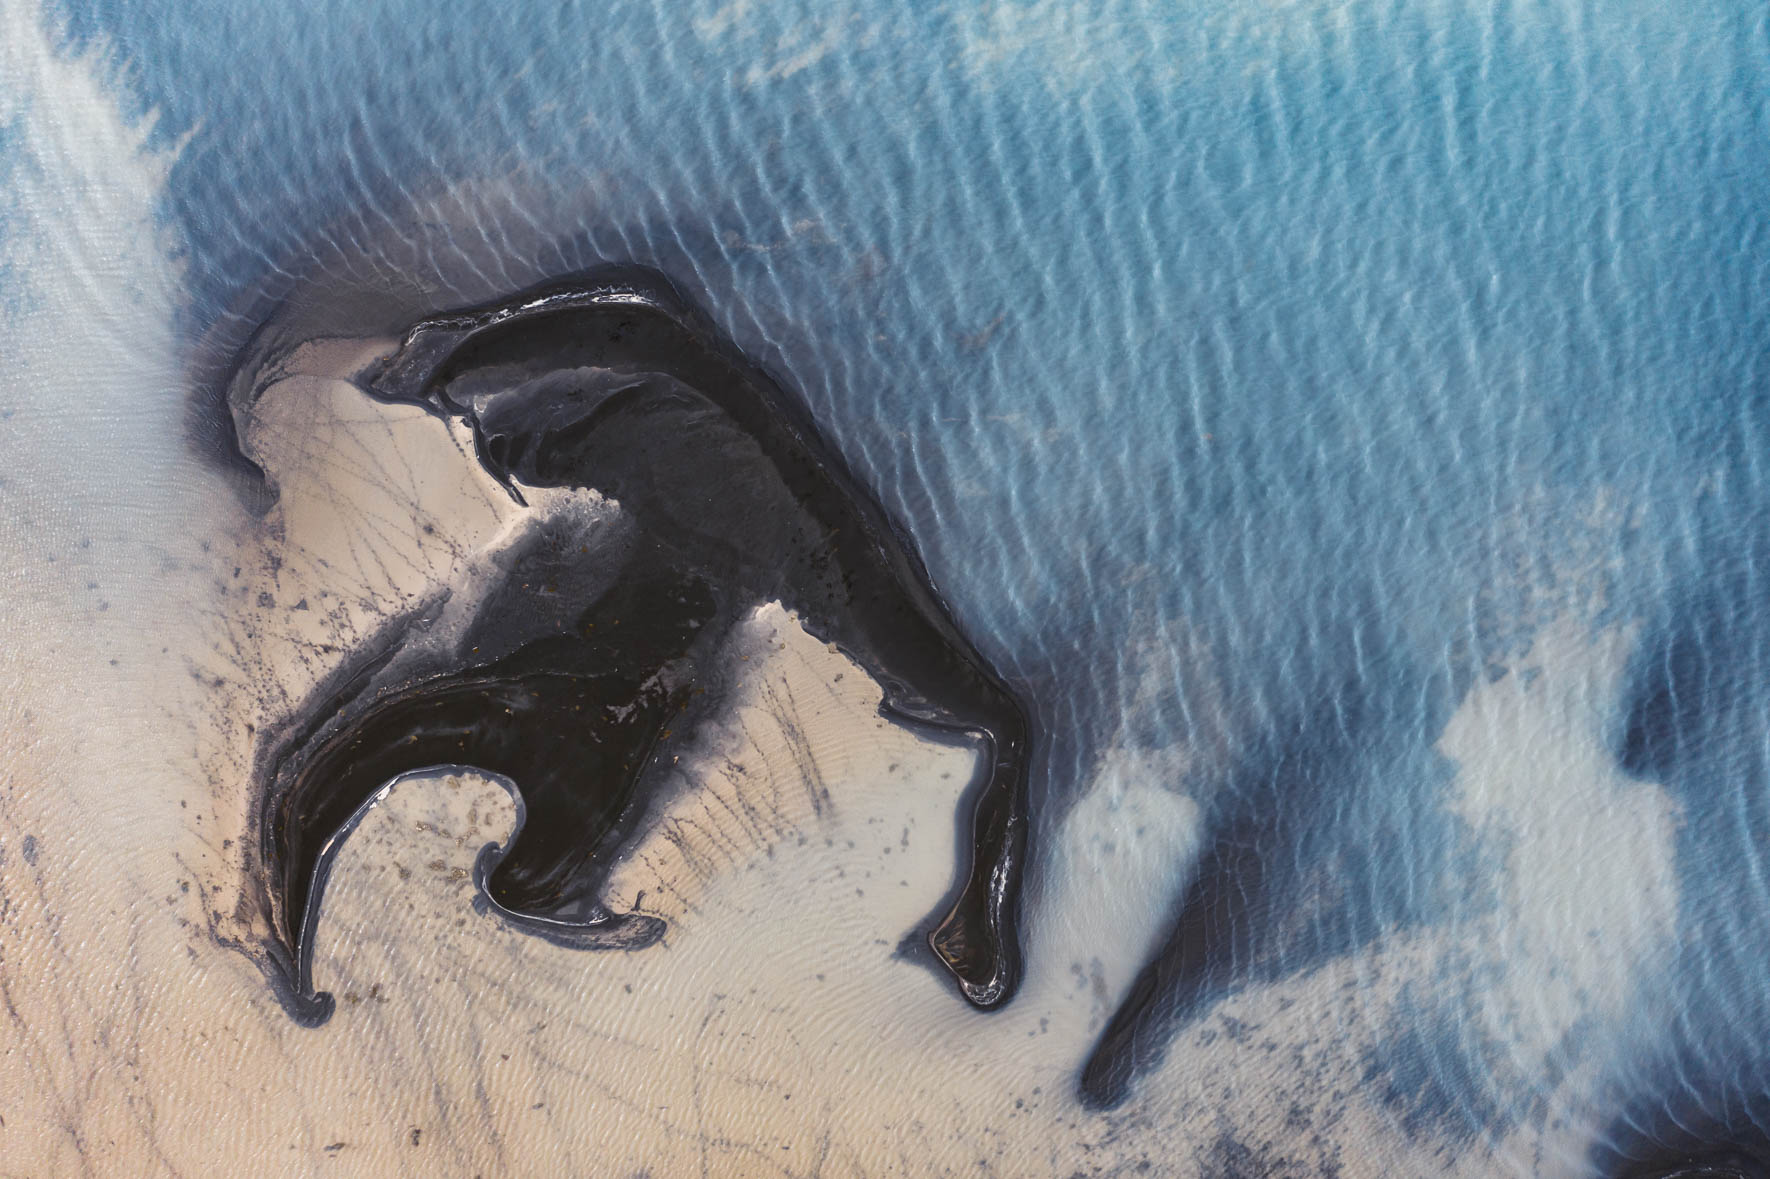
(1271, 386)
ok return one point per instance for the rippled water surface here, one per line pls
(1341, 423)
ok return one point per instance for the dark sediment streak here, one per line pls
(1226, 897)
(1294, 869)
(1714, 1158)
(576, 667)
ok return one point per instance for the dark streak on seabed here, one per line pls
(727, 498)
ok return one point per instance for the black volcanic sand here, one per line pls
(575, 667)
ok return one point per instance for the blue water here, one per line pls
(1317, 341)
(1175, 314)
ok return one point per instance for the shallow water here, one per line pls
(1339, 422)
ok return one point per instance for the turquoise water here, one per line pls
(1256, 378)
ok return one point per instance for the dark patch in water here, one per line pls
(1305, 844)
(579, 665)
(1699, 1152)
(1673, 694)
(1223, 900)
